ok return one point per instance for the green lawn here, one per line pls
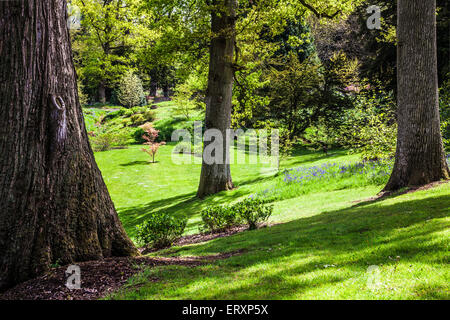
(323, 248)
(322, 256)
(138, 187)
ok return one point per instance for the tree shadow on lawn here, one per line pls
(289, 259)
(136, 163)
(307, 156)
(185, 204)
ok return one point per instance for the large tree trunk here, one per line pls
(217, 177)
(420, 157)
(55, 205)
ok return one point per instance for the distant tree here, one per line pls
(377, 49)
(227, 28)
(150, 136)
(111, 32)
(130, 92)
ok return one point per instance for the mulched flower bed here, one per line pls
(98, 278)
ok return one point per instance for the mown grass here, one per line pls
(324, 256)
(323, 248)
(139, 187)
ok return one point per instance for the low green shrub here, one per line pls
(122, 111)
(112, 115)
(139, 109)
(160, 230)
(128, 113)
(253, 211)
(137, 135)
(108, 140)
(218, 218)
(137, 119)
(250, 211)
(125, 122)
(149, 115)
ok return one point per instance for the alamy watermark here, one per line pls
(74, 19)
(218, 147)
(374, 20)
(73, 274)
(373, 277)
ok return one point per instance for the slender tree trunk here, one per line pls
(217, 177)
(165, 90)
(420, 157)
(55, 205)
(153, 88)
(101, 93)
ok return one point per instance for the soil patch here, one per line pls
(98, 278)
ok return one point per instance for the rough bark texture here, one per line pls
(420, 157)
(55, 206)
(217, 177)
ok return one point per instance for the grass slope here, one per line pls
(324, 256)
(322, 250)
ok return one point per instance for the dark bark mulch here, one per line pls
(201, 237)
(98, 278)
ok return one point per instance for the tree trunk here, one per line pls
(165, 91)
(420, 156)
(55, 206)
(153, 88)
(101, 93)
(217, 177)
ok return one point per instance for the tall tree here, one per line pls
(420, 157)
(111, 32)
(217, 177)
(55, 205)
(230, 28)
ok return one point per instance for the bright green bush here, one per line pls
(83, 98)
(253, 211)
(149, 115)
(218, 218)
(370, 128)
(160, 230)
(137, 119)
(108, 140)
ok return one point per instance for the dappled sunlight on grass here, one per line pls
(139, 187)
(327, 239)
(324, 256)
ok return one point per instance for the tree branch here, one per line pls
(317, 13)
